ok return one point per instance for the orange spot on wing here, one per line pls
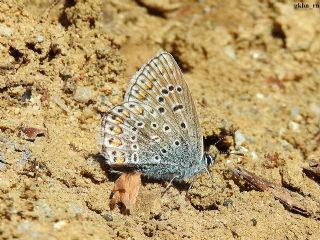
(139, 110)
(126, 113)
(116, 142)
(119, 120)
(117, 130)
(148, 85)
(142, 96)
(119, 159)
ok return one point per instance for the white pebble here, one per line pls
(242, 150)
(5, 31)
(229, 51)
(315, 108)
(295, 111)
(254, 156)
(229, 162)
(256, 55)
(59, 224)
(260, 96)
(239, 138)
(83, 94)
(294, 126)
(282, 131)
(60, 102)
(39, 38)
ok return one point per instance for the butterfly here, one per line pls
(156, 130)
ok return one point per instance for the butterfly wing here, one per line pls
(156, 129)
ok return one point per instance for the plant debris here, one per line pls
(313, 171)
(30, 133)
(291, 200)
(126, 189)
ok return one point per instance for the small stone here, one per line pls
(294, 126)
(239, 138)
(254, 156)
(39, 38)
(229, 51)
(295, 111)
(260, 96)
(16, 111)
(58, 225)
(282, 131)
(83, 94)
(88, 113)
(315, 108)
(257, 55)
(60, 102)
(108, 217)
(5, 31)
(254, 222)
(227, 202)
(242, 150)
(106, 89)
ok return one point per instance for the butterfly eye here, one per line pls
(171, 88)
(183, 125)
(176, 142)
(179, 89)
(209, 160)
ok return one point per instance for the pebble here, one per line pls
(315, 108)
(229, 51)
(256, 55)
(83, 94)
(254, 156)
(294, 126)
(295, 111)
(239, 138)
(60, 102)
(5, 31)
(260, 96)
(39, 38)
(108, 217)
(88, 113)
(59, 224)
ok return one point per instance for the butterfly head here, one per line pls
(208, 159)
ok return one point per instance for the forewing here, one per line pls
(156, 130)
(160, 84)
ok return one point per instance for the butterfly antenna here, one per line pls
(210, 176)
(219, 140)
(232, 153)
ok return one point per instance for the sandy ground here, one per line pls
(250, 66)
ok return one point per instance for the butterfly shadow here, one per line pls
(111, 175)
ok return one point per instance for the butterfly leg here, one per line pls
(168, 186)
